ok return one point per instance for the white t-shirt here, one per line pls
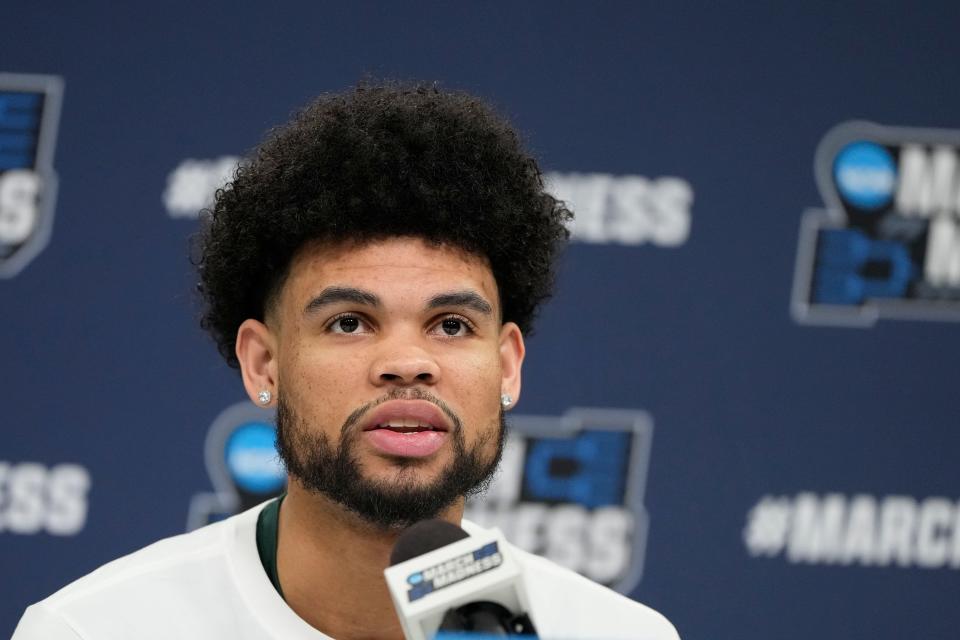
(211, 585)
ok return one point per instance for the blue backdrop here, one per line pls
(802, 478)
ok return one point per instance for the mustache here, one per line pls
(400, 394)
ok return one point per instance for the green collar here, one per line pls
(268, 524)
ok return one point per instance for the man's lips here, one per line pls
(407, 428)
(406, 416)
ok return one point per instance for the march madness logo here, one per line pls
(242, 462)
(888, 243)
(453, 571)
(29, 113)
(571, 489)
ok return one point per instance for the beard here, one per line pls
(395, 503)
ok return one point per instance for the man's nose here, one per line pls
(402, 362)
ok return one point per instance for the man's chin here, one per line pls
(389, 503)
(405, 473)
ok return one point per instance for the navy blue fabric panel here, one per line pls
(791, 476)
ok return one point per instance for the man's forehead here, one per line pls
(401, 264)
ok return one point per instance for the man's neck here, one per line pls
(330, 563)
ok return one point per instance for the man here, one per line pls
(372, 270)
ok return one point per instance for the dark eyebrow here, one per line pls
(334, 295)
(467, 299)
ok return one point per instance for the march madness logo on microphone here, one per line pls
(571, 489)
(29, 113)
(888, 243)
(454, 571)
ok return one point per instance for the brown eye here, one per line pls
(348, 324)
(452, 326)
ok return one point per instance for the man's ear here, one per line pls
(257, 353)
(512, 351)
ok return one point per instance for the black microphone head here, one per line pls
(424, 536)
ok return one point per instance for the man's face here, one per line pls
(389, 362)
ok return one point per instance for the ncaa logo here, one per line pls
(29, 114)
(242, 463)
(571, 488)
(887, 245)
(865, 175)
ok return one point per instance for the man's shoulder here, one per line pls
(573, 606)
(164, 579)
(169, 555)
(592, 609)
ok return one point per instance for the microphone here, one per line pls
(443, 580)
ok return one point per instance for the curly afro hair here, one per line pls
(374, 162)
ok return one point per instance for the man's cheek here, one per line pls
(478, 369)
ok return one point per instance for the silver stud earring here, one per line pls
(264, 397)
(506, 400)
